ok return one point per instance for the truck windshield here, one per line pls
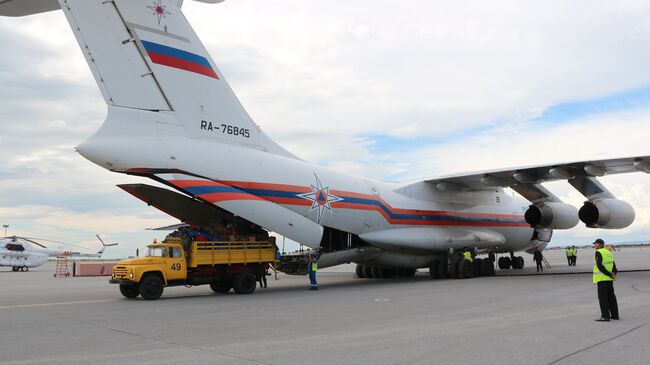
(156, 252)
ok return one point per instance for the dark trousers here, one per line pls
(607, 299)
(573, 260)
(312, 279)
(539, 265)
(568, 260)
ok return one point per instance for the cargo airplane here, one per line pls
(172, 117)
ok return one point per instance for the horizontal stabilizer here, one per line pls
(27, 7)
(19, 8)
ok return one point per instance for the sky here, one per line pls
(391, 91)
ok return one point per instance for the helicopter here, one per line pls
(23, 253)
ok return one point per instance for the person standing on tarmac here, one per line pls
(604, 276)
(574, 255)
(313, 267)
(537, 257)
(568, 255)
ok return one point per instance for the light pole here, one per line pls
(5, 226)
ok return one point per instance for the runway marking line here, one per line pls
(59, 303)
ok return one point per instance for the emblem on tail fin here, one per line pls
(320, 198)
(159, 10)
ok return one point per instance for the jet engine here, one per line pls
(606, 213)
(552, 215)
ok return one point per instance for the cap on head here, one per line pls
(599, 241)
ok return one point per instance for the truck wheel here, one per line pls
(129, 291)
(244, 283)
(220, 286)
(151, 287)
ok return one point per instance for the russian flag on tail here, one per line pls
(176, 58)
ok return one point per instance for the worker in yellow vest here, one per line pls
(604, 276)
(313, 267)
(467, 255)
(572, 255)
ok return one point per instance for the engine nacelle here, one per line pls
(552, 215)
(607, 213)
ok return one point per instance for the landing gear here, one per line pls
(15, 268)
(487, 267)
(386, 273)
(368, 272)
(360, 272)
(477, 267)
(375, 273)
(516, 262)
(460, 268)
(465, 269)
(433, 269)
(24, 268)
(504, 263)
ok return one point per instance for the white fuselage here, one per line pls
(351, 204)
(22, 258)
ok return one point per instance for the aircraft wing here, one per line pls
(509, 177)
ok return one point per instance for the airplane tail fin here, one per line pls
(145, 56)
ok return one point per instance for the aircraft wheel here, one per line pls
(151, 288)
(489, 269)
(477, 267)
(220, 286)
(468, 269)
(386, 273)
(513, 263)
(360, 272)
(504, 262)
(375, 273)
(15, 268)
(500, 263)
(433, 269)
(484, 267)
(244, 283)
(443, 270)
(129, 291)
(24, 268)
(367, 272)
(453, 268)
(520, 265)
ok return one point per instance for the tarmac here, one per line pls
(517, 317)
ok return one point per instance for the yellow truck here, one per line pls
(224, 265)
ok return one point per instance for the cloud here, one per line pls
(399, 93)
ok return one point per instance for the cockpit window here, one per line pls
(14, 247)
